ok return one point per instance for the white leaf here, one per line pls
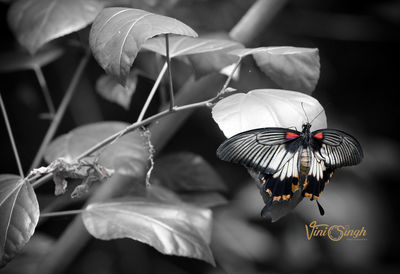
(262, 108)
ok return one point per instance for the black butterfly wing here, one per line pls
(330, 149)
(266, 150)
(317, 177)
(336, 148)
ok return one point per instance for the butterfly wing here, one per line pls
(266, 150)
(330, 149)
(317, 177)
(336, 148)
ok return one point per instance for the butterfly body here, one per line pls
(288, 160)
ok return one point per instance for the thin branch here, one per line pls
(10, 134)
(229, 79)
(140, 123)
(152, 92)
(171, 86)
(45, 90)
(61, 213)
(256, 19)
(123, 132)
(61, 110)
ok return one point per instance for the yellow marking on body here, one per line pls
(277, 198)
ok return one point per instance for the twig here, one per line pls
(171, 86)
(152, 92)
(61, 213)
(139, 123)
(229, 79)
(121, 133)
(10, 134)
(60, 112)
(256, 19)
(45, 90)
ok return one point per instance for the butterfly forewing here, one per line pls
(336, 148)
(266, 150)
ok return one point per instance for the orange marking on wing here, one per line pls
(286, 197)
(277, 198)
(319, 135)
(269, 191)
(308, 195)
(295, 187)
(291, 135)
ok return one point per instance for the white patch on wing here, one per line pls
(317, 167)
(289, 170)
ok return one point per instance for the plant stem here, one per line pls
(140, 122)
(229, 79)
(152, 92)
(256, 19)
(45, 90)
(10, 134)
(171, 86)
(121, 133)
(60, 111)
(61, 213)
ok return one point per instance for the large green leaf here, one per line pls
(112, 91)
(186, 171)
(36, 22)
(181, 45)
(21, 60)
(267, 108)
(179, 229)
(290, 67)
(117, 35)
(19, 214)
(129, 155)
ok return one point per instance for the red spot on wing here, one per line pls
(291, 135)
(319, 135)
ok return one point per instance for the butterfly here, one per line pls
(289, 161)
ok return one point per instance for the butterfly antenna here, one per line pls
(321, 209)
(323, 110)
(302, 106)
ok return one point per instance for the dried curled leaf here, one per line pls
(88, 171)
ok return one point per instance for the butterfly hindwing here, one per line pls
(317, 177)
(283, 183)
(336, 148)
(266, 150)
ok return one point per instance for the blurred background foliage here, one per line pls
(359, 49)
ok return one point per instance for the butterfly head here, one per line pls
(306, 127)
